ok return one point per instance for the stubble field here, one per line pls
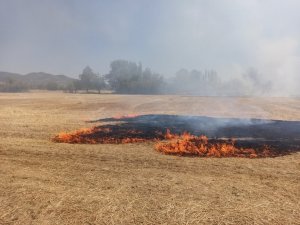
(53, 183)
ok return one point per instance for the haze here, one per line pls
(229, 36)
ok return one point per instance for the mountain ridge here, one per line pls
(36, 79)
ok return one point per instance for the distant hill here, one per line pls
(39, 80)
(4, 76)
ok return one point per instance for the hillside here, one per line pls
(37, 79)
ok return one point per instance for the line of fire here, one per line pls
(193, 135)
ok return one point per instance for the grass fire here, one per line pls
(150, 112)
(182, 139)
(206, 164)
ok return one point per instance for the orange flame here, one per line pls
(168, 143)
(75, 136)
(89, 136)
(187, 144)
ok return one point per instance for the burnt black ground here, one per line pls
(215, 127)
(282, 136)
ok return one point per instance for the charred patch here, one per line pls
(195, 135)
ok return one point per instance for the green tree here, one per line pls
(77, 85)
(130, 78)
(87, 77)
(99, 83)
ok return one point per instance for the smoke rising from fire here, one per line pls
(225, 137)
(228, 36)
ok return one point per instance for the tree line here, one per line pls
(15, 85)
(11, 85)
(126, 77)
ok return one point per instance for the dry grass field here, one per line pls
(53, 183)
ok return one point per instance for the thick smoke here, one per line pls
(209, 83)
(227, 36)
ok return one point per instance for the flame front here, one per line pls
(96, 135)
(167, 142)
(187, 144)
(75, 136)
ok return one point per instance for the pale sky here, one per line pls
(63, 36)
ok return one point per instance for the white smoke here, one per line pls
(228, 36)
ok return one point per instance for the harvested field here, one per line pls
(43, 182)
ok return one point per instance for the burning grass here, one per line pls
(166, 142)
(96, 135)
(183, 135)
(187, 144)
(42, 182)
